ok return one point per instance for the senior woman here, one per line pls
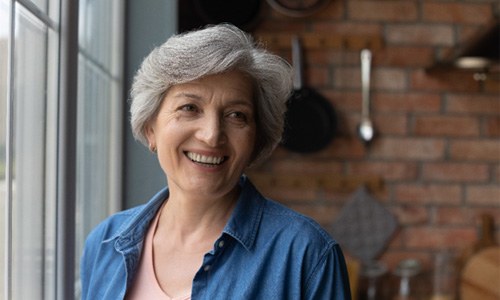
(210, 103)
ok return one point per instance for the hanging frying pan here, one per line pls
(311, 121)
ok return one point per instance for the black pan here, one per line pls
(311, 122)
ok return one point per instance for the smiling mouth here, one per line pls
(206, 160)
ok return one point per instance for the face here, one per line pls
(205, 133)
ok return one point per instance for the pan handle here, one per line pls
(297, 63)
(366, 57)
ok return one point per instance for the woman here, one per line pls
(210, 103)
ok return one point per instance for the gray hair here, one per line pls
(212, 50)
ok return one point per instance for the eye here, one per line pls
(188, 108)
(238, 115)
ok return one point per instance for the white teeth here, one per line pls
(213, 160)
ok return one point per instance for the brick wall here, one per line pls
(438, 148)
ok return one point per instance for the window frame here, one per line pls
(60, 177)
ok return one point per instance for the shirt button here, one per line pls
(221, 244)
(206, 268)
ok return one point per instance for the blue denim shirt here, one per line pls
(266, 251)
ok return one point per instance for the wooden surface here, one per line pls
(480, 265)
(481, 276)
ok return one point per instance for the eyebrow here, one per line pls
(196, 97)
(187, 95)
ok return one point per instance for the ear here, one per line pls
(149, 132)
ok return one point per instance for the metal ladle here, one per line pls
(366, 130)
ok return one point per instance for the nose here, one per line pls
(211, 130)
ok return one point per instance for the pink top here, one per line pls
(145, 285)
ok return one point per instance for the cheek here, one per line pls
(247, 143)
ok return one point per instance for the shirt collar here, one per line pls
(242, 225)
(133, 231)
(245, 219)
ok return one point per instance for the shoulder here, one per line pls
(113, 225)
(129, 221)
(316, 254)
(298, 226)
(276, 221)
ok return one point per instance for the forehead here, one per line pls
(228, 84)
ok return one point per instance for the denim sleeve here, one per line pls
(329, 279)
(86, 264)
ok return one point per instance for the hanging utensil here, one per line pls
(365, 128)
(311, 120)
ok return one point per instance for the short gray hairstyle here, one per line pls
(212, 50)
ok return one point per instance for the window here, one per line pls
(100, 106)
(31, 80)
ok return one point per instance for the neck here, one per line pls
(195, 220)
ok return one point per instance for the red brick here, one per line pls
(333, 11)
(467, 32)
(496, 173)
(316, 77)
(288, 195)
(453, 216)
(344, 101)
(406, 102)
(483, 195)
(396, 241)
(455, 172)
(346, 148)
(341, 146)
(477, 212)
(411, 214)
(476, 150)
(388, 170)
(390, 124)
(433, 237)
(332, 57)
(452, 12)
(305, 166)
(348, 28)
(385, 124)
(382, 10)
(342, 196)
(393, 257)
(323, 213)
(408, 148)
(419, 34)
(346, 132)
(464, 216)
(492, 86)
(387, 79)
(425, 194)
(404, 56)
(491, 127)
(439, 125)
(473, 104)
(444, 82)
(430, 182)
(347, 78)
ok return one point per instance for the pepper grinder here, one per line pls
(406, 269)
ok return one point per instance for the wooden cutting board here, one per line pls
(481, 276)
(480, 273)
